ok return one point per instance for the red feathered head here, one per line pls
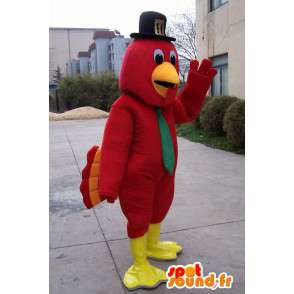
(150, 71)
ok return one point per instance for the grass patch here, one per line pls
(189, 132)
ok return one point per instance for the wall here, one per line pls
(84, 65)
(72, 67)
(102, 55)
(119, 48)
(93, 61)
(223, 31)
(65, 43)
(237, 48)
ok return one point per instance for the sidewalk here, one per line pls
(89, 248)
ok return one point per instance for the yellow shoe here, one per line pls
(161, 250)
(142, 274)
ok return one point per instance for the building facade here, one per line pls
(102, 40)
(84, 60)
(65, 44)
(220, 26)
(93, 59)
(107, 51)
(85, 51)
(116, 50)
(72, 67)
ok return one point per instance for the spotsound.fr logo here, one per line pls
(192, 276)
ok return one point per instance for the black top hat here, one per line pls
(152, 26)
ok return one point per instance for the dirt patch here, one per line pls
(86, 112)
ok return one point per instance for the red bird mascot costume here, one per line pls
(138, 157)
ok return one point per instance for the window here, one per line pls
(219, 85)
(214, 4)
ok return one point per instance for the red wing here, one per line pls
(90, 178)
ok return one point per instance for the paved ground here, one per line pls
(89, 248)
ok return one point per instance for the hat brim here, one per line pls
(151, 36)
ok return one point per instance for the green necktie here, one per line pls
(167, 145)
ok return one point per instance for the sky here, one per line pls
(112, 14)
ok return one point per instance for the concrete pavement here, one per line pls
(89, 248)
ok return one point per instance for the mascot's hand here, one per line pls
(201, 76)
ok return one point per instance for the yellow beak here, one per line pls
(164, 76)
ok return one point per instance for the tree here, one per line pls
(57, 76)
(183, 28)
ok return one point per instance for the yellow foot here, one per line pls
(165, 250)
(143, 276)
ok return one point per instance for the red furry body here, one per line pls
(131, 164)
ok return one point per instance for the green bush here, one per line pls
(107, 90)
(197, 120)
(213, 112)
(234, 123)
(98, 91)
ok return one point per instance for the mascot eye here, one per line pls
(173, 57)
(158, 56)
